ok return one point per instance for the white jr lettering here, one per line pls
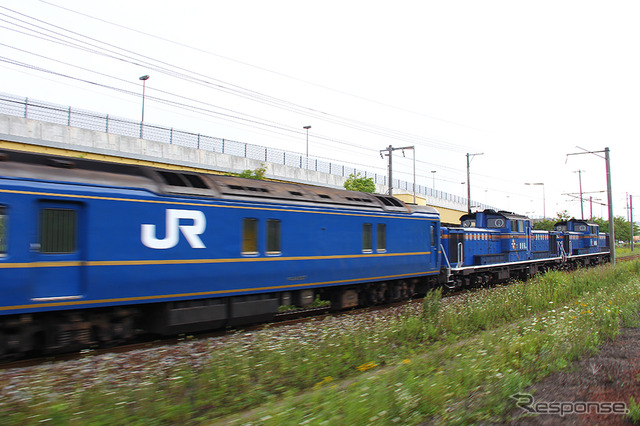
(190, 232)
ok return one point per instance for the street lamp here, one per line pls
(469, 158)
(544, 207)
(144, 79)
(307, 129)
(433, 173)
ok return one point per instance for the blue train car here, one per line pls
(497, 237)
(544, 244)
(579, 236)
(493, 246)
(603, 242)
(92, 250)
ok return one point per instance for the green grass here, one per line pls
(441, 362)
(623, 251)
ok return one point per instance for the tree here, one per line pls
(548, 224)
(254, 174)
(545, 225)
(359, 183)
(621, 227)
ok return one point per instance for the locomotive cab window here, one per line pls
(249, 236)
(58, 231)
(367, 238)
(381, 238)
(4, 228)
(273, 236)
(517, 226)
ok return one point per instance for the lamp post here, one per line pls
(544, 206)
(307, 129)
(144, 79)
(469, 158)
(433, 173)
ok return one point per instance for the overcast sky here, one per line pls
(524, 83)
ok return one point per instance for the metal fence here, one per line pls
(52, 113)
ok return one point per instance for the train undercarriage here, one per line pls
(67, 331)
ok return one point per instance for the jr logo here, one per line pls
(190, 232)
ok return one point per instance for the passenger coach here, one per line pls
(92, 251)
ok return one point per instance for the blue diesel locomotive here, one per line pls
(494, 246)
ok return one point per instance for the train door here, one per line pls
(435, 245)
(455, 248)
(58, 252)
(553, 245)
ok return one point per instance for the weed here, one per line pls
(446, 361)
(634, 411)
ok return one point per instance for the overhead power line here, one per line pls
(94, 46)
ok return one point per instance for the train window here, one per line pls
(367, 240)
(273, 236)
(381, 237)
(433, 235)
(249, 236)
(495, 222)
(517, 226)
(3, 230)
(58, 231)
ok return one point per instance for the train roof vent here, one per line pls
(195, 181)
(325, 196)
(172, 179)
(254, 189)
(247, 188)
(361, 200)
(389, 201)
(182, 179)
(63, 164)
(384, 201)
(296, 193)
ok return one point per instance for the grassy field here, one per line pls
(626, 251)
(444, 360)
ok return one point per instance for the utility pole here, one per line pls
(388, 152)
(612, 235)
(631, 220)
(469, 158)
(579, 172)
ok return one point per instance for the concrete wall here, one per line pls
(39, 136)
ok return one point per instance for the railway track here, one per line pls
(628, 258)
(149, 342)
(280, 320)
